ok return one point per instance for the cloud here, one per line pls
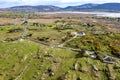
(34, 2)
(8, 3)
(88, 1)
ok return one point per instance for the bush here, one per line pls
(97, 46)
(115, 50)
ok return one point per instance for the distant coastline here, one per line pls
(102, 14)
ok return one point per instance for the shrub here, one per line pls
(115, 50)
(97, 46)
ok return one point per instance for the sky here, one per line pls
(60, 3)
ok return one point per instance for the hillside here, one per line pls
(96, 7)
(81, 7)
(59, 47)
(25, 8)
(108, 6)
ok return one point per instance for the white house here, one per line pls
(78, 33)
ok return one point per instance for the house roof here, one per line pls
(108, 59)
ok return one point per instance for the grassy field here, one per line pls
(28, 60)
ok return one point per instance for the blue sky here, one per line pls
(61, 3)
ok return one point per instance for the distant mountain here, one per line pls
(90, 5)
(108, 6)
(95, 7)
(81, 7)
(115, 7)
(45, 8)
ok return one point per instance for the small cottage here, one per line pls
(93, 56)
(78, 33)
(81, 33)
(108, 59)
